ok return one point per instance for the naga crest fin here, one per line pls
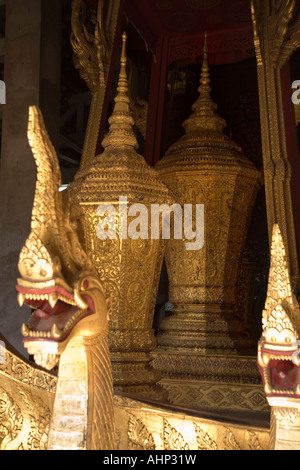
(52, 248)
(281, 313)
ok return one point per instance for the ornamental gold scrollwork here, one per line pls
(254, 443)
(11, 419)
(204, 441)
(160, 428)
(39, 417)
(275, 16)
(206, 167)
(276, 27)
(138, 435)
(173, 439)
(230, 442)
(23, 372)
(90, 50)
(285, 416)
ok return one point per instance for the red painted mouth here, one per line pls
(55, 313)
(282, 372)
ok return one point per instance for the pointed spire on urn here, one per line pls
(205, 73)
(205, 116)
(121, 122)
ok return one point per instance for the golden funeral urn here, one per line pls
(114, 200)
(207, 171)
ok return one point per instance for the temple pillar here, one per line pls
(292, 144)
(276, 34)
(275, 41)
(94, 57)
(32, 77)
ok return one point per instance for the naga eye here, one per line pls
(85, 284)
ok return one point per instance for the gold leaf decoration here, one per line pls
(254, 443)
(11, 419)
(139, 436)
(230, 442)
(173, 440)
(204, 441)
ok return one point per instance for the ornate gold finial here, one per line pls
(121, 122)
(205, 75)
(205, 115)
(123, 82)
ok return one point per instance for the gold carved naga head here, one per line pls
(57, 279)
(279, 345)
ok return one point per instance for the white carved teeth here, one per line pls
(56, 333)
(25, 330)
(21, 299)
(27, 296)
(53, 298)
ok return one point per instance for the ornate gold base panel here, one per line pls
(285, 428)
(142, 426)
(214, 395)
(26, 400)
(221, 382)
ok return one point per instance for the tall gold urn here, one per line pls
(113, 200)
(206, 168)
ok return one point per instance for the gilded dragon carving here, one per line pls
(70, 316)
(278, 347)
(278, 350)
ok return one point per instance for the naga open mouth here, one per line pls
(55, 313)
(281, 375)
